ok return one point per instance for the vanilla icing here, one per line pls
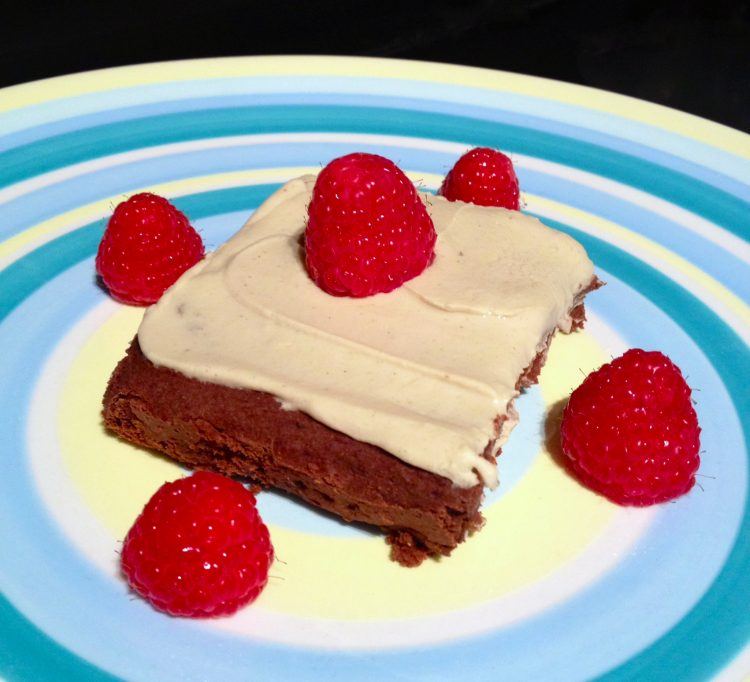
(423, 371)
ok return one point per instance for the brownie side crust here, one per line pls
(247, 433)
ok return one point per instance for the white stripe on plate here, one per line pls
(687, 219)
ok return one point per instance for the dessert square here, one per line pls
(388, 410)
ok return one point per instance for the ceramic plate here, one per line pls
(560, 584)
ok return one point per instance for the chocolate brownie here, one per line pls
(247, 433)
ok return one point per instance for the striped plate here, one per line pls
(560, 584)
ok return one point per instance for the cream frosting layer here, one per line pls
(423, 371)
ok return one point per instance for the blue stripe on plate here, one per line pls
(705, 174)
(46, 155)
(382, 88)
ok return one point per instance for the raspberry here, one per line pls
(630, 431)
(147, 245)
(199, 547)
(368, 231)
(482, 176)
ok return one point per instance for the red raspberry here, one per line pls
(630, 431)
(482, 176)
(199, 547)
(368, 231)
(147, 245)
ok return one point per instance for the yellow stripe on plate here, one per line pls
(687, 125)
(522, 542)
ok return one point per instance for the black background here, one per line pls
(693, 55)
